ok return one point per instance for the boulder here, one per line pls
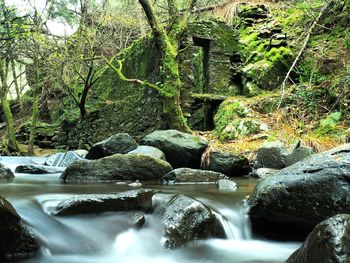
(187, 219)
(5, 173)
(140, 199)
(227, 163)
(148, 150)
(188, 175)
(117, 167)
(138, 220)
(227, 185)
(271, 155)
(329, 242)
(16, 241)
(295, 199)
(38, 169)
(181, 149)
(118, 143)
(298, 154)
(82, 153)
(63, 159)
(262, 172)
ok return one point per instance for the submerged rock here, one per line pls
(227, 163)
(38, 169)
(140, 199)
(271, 155)
(118, 143)
(16, 241)
(297, 198)
(148, 150)
(5, 173)
(181, 149)
(187, 219)
(329, 242)
(117, 167)
(193, 176)
(263, 172)
(227, 185)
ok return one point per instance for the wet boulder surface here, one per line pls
(5, 173)
(180, 149)
(188, 175)
(148, 150)
(290, 203)
(117, 167)
(271, 155)
(118, 143)
(140, 199)
(186, 219)
(329, 242)
(16, 240)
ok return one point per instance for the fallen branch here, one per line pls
(308, 35)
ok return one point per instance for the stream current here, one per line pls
(111, 237)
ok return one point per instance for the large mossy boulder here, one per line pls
(295, 199)
(186, 219)
(329, 242)
(181, 149)
(230, 164)
(117, 167)
(5, 173)
(16, 241)
(118, 143)
(140, 199)
(188, 175)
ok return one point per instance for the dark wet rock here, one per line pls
(149, 150)
(118, 143)
(299, 154)
(263, 172)
(16, 241)
(181, 149)
(38, 169)
(5, 173)
(189, 175)
(63, 159)
(138, 220)
(140, 199)
(329, 242)
(227, 185)
(297, 198)
(271, 155)
(117, 167)
(227, 163)
(187, 219)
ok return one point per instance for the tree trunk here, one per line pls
(15, 81)
(174, 115)
(12, 143)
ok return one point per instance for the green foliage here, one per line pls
(330, 125)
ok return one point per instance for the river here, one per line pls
(111, 238)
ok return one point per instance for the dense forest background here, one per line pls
(237, 72)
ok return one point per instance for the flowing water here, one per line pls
(110, 237)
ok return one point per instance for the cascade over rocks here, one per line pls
(140, 199)
(186, 219)
(226, 163)
(5, 173)
(63, 159)
(329, 242)
(294, 200)
(16, 241)
(181, 149)
(117, 167)
(118, 143)
(193, 175)
(38, 169)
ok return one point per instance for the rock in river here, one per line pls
(329, 242)
(118, 143)
(140, 199)
(148, 150)
(294, 200)
(181, 149)
(117, 167)
(271, 155)
(16, 241)
(188, 175)
(187, 219)
(5, 173)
